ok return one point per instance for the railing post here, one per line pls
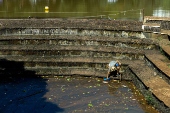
(143, 14)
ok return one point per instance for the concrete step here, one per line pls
(31, 58)
(151, 27)
(67, 71)
(166, 50)
(53, 62)
(88, 72)
(22, 65)
(155, 84)
(55, 50)
(157, 25)
(96, 24)
(59, 71)
(165, 47)
(80, 40)
(161, 63)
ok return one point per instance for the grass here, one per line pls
(149, 99)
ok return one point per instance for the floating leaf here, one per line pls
(90, 105)
(127, 108)
(106, 104)
(98, 84)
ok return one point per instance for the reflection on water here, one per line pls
(115, 9)
(112, 0)
(161, 13)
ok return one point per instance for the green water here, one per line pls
(115, 9)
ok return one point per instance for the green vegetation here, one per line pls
(162, 52)
(160, 38)
(149, 99)
(169, 65)
(90, 104)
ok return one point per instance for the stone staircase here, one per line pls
(84, 48)
(158, 80)
(72, 55)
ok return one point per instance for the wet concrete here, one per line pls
(70, 94)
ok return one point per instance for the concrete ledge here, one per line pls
(89, 51)
(160, 63)
(154, 92)
(72, 23)
(80, 40)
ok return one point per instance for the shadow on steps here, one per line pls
(22, 91)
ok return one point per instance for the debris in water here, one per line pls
(124, 86)
(105, 82)
(106, 104)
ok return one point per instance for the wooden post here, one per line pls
(143, 14)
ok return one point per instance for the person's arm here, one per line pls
(118, 68)
(119, 62)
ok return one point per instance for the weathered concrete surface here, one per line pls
(158, 81)
(81, 40)
(84, 66)
(165, 45)
(72, 23)
(155, 89)
(156, 85)
(159, 61)
(157, 24)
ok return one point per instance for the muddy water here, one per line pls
(93, 95)
(70, 94)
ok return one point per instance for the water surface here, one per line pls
(71, 94)
(114, 9)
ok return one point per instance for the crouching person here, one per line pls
(113, 66)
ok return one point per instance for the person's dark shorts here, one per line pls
(113, 73)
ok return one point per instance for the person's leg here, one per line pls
(108, 73)
(118, 68)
